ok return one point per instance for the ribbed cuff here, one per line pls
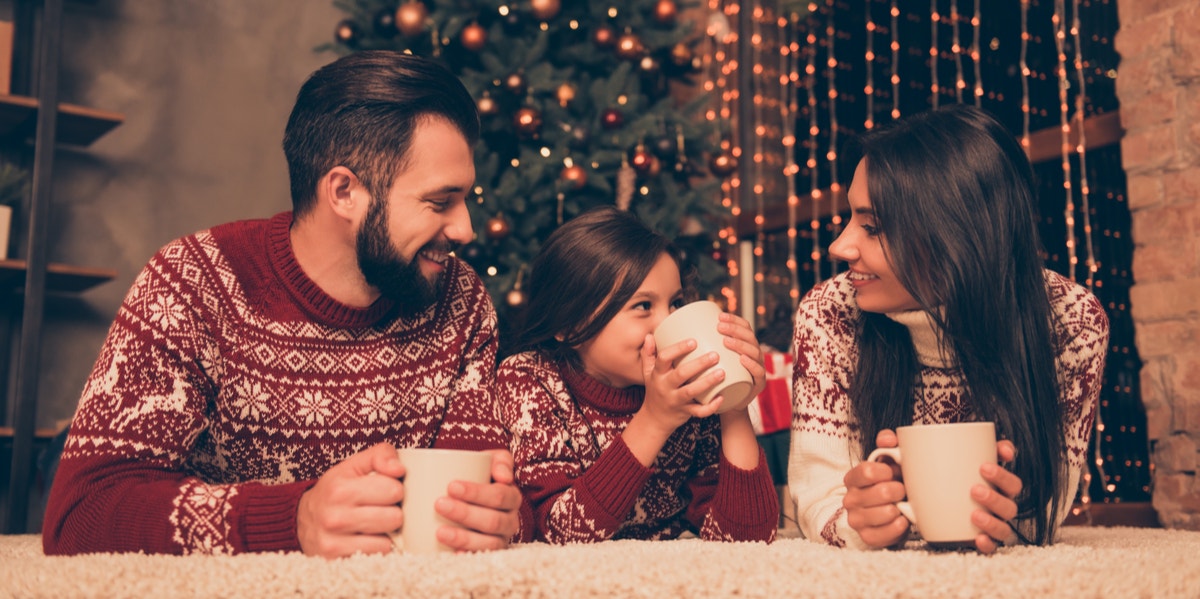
(269, 520)
(746, 499)
(615, 480)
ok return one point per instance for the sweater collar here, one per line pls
(926, 337)
(318, 304)
(596, 394)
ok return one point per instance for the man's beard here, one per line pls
(384, 269)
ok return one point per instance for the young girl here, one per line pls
(945, 315)
(607, 438)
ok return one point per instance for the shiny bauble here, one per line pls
(681, 55)
(664, 147)
(497, 228)
(640, 160)
(516, 84)
(473, 37)
(516, 298)
(648, 65)
(348, 33)
(487, 105)
(604, 36)
(611, 118)
(411, 18)
(528, 122)
(385, 22)
(665, 12)
(580, 137)
(565, 94)
(629, 47)
(575, 175)
(722, 164)
(544, 10)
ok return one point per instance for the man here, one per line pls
(259, 375)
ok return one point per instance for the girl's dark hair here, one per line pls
(953, 195)
(360, 112)
(582, 277)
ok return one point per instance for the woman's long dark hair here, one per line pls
(953, 195)
(582, 277)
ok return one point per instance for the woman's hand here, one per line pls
(872, 490)
(998, 501)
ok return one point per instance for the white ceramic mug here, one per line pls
(428, 472)
(698, 320)
(940, 463)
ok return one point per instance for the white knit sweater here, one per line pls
(825, 441)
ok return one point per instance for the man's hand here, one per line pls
(489, 513)
(350, 510)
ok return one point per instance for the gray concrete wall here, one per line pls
(206, 87)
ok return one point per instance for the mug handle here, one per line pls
(894, 453)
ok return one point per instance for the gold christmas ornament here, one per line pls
(565, 94)
(723, 164)
(487, 105)
(629, 47)
(473, 37)
(545, 10)
(681, 54)
(516, 298)
(347, 32)
(411, 18)
(515, 83)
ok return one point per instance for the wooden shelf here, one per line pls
(77, 125)
(61, 278)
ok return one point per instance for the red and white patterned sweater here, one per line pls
(825, 442)
(584, 484)
(229, 382)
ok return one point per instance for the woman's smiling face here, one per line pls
(861, 246)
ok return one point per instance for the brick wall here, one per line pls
(1159, 90)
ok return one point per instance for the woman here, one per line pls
(608, 440)
(945, 315)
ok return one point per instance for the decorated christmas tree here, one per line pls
(582, 104)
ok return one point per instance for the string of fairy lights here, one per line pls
(800, 49)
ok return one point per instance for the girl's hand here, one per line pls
(999, 503)
(872, 490)
(669, 402)
(739, 337)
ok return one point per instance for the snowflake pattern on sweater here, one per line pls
(584, 484)
(825, 442)
(229, 382)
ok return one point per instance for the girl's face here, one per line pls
(614, 356)
(861, 246)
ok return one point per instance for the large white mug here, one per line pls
(428, 472)
(940, 463)
(698, 320)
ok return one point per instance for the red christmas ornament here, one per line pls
(528, 122)
(641, 160)
(497, 228)
(575, 175)
(665, 12)
(604, 36)
(473, 37)
(611, 118)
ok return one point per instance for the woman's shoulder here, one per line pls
(1077, 311)
(830, 304)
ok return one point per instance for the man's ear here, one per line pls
(343, 192)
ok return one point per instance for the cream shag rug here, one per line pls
(1087, 562)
